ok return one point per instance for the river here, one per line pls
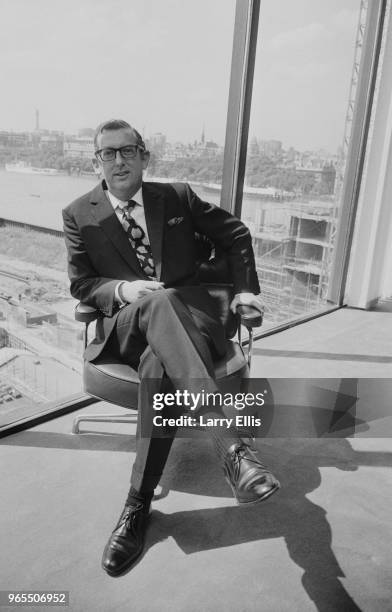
(39, 199)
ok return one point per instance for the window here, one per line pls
(306, 65)
(164, 67)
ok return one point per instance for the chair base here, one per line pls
(102, 418)
(111, 380)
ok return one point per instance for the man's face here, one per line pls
(123, 176)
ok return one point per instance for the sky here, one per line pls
(164, 65)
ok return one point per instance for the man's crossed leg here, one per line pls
(174, 333)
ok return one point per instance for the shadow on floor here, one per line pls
(94, 441)
(193, 469)
(289, 514)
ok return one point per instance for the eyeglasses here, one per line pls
(127, 152)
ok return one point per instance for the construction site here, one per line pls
(293, 243)
(294, 235)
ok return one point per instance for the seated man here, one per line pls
(131, 254)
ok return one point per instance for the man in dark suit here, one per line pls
(131, 254)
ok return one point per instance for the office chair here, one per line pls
(113, 381)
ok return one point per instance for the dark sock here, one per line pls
(135, 497)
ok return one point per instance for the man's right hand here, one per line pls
(133, 290)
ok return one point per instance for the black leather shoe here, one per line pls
(126, 543)
(250, 480)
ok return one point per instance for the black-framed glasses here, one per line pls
(127, 152)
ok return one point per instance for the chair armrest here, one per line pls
(85, 313)
(250, 316)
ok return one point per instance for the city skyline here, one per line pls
(76, 134)
(91, 60)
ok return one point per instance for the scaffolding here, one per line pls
(291, 257)
(341, 167)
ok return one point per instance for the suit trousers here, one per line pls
(172, 336)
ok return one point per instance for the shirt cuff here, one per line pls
(117, 297)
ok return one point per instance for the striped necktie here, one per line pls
(138, 239)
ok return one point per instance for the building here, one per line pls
(14, 141)
(324, 176)
(79, 147)
(157, 143)
(271, 148)
(50, 140)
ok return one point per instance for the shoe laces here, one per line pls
(130, 515)
(240, 452)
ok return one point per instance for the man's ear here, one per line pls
(96, 166)
(146, 158)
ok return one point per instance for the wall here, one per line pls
(370, 269)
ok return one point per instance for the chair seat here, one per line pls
(116, 382)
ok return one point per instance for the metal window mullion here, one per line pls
(357, 148)
(240, 94)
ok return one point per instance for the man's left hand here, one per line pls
(247, 299)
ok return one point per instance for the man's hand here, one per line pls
(247, 299)
(130, 291)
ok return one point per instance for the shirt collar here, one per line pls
(115, 202)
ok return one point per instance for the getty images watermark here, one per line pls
(188, 401)
(270, 408)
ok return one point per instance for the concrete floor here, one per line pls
(347, 343)
(321, 543)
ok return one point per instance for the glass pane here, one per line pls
(162, 66)
(304, 86)
(185, 125)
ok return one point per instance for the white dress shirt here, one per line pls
(139, 216)
(137, 212)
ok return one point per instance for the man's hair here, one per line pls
(117, 124)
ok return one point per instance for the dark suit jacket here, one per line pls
(100, 255)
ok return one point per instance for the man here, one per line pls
(131, 254)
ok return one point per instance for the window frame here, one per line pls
(237, 128)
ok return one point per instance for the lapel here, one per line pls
(103, 212)
(154, 210)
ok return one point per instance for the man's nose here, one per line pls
(118, 159)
